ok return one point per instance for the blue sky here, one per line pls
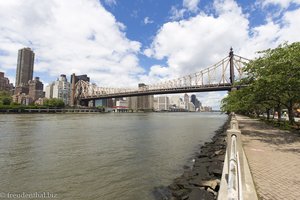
(120, 43)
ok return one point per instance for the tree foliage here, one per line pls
(54, 102)
(273, 82)
(5, 98)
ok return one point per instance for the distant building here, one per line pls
(24, 70)
(24, 67)
(74, 80)
(175, 101)
(196, 102)
(186, 101)
(4, 83)
(207, 109)
(191, 107)
(144, 102)
(83, 77)
(121, 105)
(23, 99)
(132, 103)
(60, 89)
(161, 103)
(36, 89)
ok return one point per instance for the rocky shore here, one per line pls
(202, 181)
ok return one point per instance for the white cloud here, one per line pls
(110, 2)
(191, 5)
(203, 40)
(69, 36)
(212, 99)
(188, 6)
(281, 3)
(177, 13)
(199, 41)
(147, 20)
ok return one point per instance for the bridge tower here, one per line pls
(231, 64)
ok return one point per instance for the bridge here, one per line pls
(218, 77)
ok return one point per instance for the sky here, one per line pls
(120, 43)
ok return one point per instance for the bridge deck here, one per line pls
(206, 88)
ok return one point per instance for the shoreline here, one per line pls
(202, 181)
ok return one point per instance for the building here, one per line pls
(24, 67)
(60, 89)
(196, 102)
(4, 83)
(36, 89)
(191, 107)
(121, 105)
(144, 102)
(22, 98)
(83, 77)
(186, 100)
(24, 71)
(74, 80)
(161, 103)
(206, 109)
(175, 101)
(132, 103)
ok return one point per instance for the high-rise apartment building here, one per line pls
(24, 67)
(60, 89)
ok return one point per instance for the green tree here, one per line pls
(5, 98)
(273, 82)
(54, 102)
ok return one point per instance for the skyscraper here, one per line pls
(195, 101)
(24, 67)
(60, 89)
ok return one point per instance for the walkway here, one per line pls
(274, 159)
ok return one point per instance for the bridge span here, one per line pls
(218, 77)
(206, 88)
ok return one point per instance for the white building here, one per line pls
(175, 101)
(161, 103)
(191, 107)
(60, 89)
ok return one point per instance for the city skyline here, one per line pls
(136, 42)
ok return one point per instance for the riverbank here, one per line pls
(49, 110)
(202, 181)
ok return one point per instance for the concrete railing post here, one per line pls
(236, 183)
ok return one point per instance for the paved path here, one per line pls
(274, 159)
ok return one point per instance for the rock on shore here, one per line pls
(202, 181)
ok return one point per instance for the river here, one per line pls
(98, 156)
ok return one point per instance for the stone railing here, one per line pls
(236, 183)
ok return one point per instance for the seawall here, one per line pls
(202, 181)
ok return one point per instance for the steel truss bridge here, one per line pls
(218, 77)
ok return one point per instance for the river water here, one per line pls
(98, 156)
